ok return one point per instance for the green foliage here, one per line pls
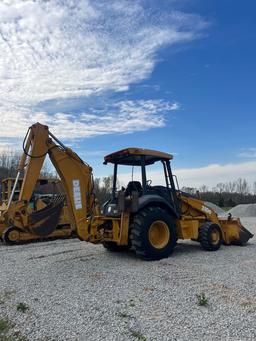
(230, 203)
(221, 202)
(202, 300)
(7, 333)
(136, 334)
(4, 325)
(22, 307)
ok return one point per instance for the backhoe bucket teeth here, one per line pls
(44, 222)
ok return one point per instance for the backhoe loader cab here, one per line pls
(138, 194)
(160, 215)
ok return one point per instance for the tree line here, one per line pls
(227, 194)
(9, 161)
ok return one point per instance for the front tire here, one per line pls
(153, 233)
(11, 235)
(210, 236)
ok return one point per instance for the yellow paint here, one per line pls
(159, 234)
(82, 207)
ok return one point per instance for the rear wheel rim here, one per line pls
(159, 234)
(215, 237)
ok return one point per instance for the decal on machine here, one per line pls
(77, 194)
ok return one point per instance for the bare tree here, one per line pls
(9, 161)
(230, 187)
(190, 190)
(203, 189)
(242, 186)
(103, 188)
(220, 187)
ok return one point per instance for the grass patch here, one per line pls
(202, 300)
(138, 335)
(18, 337)
(13, 338)
(22, 307)
(8, 334)
(4, 326)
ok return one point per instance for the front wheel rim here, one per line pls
(13, 235)
(215, 237)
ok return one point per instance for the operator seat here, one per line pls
(133, 186)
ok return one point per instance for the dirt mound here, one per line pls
(216, 208)
(243, 210)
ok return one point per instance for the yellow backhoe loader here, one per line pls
(42, 195)
(147, 218)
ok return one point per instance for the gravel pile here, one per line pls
(78, 291)
(243, 210)
(216, 208)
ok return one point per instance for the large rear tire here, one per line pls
(210, 236)
(153, 233)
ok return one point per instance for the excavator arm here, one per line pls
(75, 175)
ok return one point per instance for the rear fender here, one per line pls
(155, 200)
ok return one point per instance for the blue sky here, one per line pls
(177, 76)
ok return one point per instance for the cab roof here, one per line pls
(132, 156)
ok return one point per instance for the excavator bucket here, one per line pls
(44, 222)
(234, 232)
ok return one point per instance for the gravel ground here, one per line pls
(78, 291)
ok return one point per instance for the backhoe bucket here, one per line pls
(44, 222)
(234, 232)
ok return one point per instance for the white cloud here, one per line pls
(118, 118)
(55, 50)
(212, 174)
(209, 175)
(249, 153)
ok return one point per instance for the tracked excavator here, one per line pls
(147, 218)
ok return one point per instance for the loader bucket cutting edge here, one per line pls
(44, 222)
(244, 236)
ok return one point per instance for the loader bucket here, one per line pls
(234, 232)
(44, 222)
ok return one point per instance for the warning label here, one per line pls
(77, 194)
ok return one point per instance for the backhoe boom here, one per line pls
(75, 175)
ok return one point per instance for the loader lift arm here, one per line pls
(75, 175)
